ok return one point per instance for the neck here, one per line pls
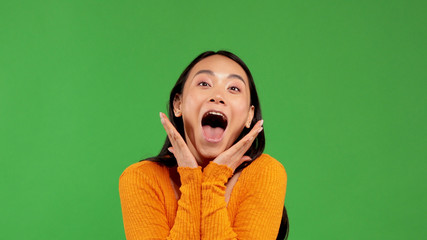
(203, 162)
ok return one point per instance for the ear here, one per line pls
(250, 117)
(177, 105)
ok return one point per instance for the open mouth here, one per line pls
(214, 124)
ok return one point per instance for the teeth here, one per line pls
(217, 113)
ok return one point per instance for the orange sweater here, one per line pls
(151, 211)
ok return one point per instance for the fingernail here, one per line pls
(262, 122)
(259, 130)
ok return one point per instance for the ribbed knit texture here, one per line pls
(151, 211)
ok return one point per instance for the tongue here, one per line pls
(213, 134)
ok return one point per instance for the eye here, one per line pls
(203, 84)
(234, 89)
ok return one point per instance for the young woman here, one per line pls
(211, 179)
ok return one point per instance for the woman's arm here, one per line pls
(259, 211)
(215, 221)
(144, 215)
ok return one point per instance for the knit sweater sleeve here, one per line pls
(144, 215)
(259, 212)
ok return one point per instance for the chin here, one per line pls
(211, 153)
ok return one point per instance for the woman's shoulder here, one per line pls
(145, 168)
(141, 178)
(265, 164)
(264, 174)
(266, 160)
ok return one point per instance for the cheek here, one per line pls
(241, 111)
(190, 106)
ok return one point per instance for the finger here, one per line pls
(257, 128)
(165, 121)
(254, 131)
(169, 128)
(245, 159)
(170, 149)
(244, 143)
(175, 138)
(240, 148)
(179, 148)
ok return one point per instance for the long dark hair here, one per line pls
(166, 158)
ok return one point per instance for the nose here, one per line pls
(217, 99)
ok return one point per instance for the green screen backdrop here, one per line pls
(342, 85)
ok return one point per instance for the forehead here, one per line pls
(220, 66)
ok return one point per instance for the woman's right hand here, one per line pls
(179, 147)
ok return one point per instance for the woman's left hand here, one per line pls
(233, 156)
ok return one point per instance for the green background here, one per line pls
(342, 85)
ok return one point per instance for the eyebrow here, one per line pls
(209, 72)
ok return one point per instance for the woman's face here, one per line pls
(215, 106)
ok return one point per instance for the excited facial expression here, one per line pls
(215, 106)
